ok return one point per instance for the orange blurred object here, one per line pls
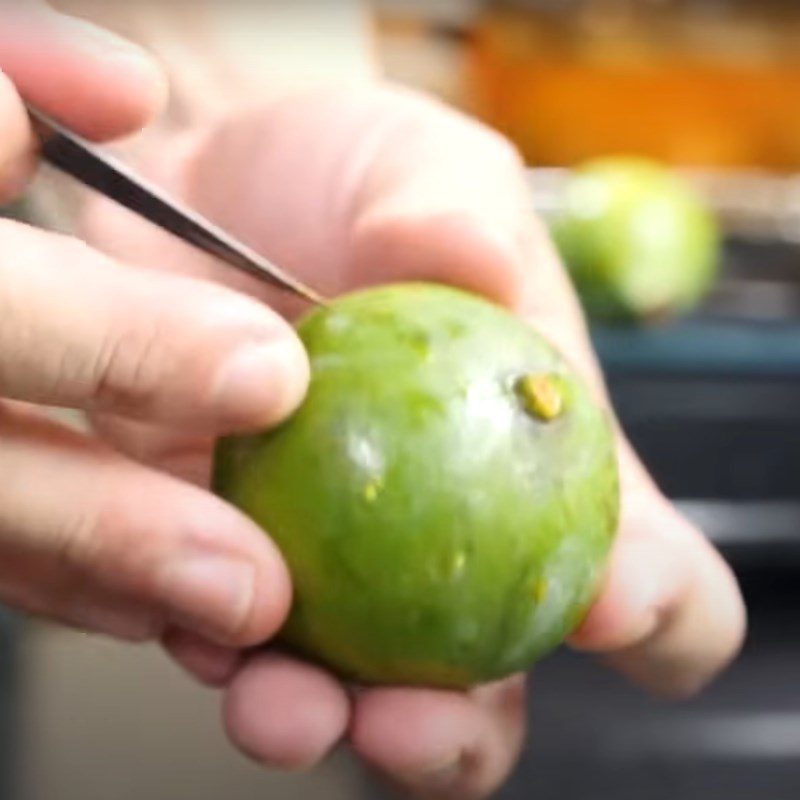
(686, 81)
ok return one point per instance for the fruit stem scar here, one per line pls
(542, 396)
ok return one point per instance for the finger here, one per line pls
(670, 615)
(453, 206)
(208, 662)
(180, 453)
(441, 744)
(16, 144)
(89, 610)
(285, 714)
(90, 79)
(34, 587)
(393, 191)
(76, 517)
(103, 336)
(423, 214)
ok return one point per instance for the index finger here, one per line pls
(82, 331)
(91, 80)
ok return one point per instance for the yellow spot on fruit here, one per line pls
(372, 490)
(449, 566)
(542, 396)
(539, 590)
(458, 563)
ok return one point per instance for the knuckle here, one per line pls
(128, 369)
(101, 543)
(112, 362)
(427, 116)
(77, 544)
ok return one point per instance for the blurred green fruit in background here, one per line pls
(638, 241)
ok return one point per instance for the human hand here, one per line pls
(363, 187)
(87, 537)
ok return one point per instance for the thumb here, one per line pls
(670, 615)
(88, 78)
(446, 201)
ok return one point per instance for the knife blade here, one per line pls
(88, 164)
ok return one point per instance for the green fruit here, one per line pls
(639, 243)
(445, 498)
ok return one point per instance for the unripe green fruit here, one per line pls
(637, 240)
(446, 497)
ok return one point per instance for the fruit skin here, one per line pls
(437, 530)
(637, 240)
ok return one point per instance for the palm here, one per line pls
(349, 189)
(320, 184)
(317, 184)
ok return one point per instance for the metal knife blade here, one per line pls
(88, 164)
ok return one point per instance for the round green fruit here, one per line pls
(637, 240)
(445, 498)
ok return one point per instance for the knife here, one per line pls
(88, 164)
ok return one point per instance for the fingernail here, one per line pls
(261, 384)
(211, 595)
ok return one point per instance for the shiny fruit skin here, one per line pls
(442, 527)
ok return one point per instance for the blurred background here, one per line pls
(706, 380)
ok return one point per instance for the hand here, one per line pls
(87, 537)
(363, 187)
